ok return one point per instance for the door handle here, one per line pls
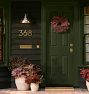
(71, 50)
(71, 45)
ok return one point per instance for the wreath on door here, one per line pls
(60, 24)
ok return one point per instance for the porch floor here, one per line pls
(46, 91)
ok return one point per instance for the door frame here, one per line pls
(6, 34)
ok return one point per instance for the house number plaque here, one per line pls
(25, 33)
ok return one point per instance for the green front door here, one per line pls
(63, 49)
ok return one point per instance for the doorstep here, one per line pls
(47, 90)
(59, 89)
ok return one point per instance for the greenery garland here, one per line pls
(60, 24)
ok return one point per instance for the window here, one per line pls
(86, 33)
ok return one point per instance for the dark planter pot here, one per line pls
(5, 78)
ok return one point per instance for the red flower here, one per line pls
(85, 73)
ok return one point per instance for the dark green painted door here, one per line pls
(63, 48)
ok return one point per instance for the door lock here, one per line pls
(71, 44)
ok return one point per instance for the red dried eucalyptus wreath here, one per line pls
(60, 24)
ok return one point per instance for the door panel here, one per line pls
(61, 65)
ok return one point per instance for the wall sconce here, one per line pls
(25, 20)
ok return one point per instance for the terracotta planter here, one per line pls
(34, 86)
(87, 84)
(20, 84)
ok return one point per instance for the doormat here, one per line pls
(59, 89)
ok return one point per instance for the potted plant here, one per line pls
(25, 72)
(19, 72)
(35, 77)
(84, 72)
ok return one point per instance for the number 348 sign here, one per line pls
(25, 33)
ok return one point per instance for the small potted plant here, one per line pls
(35, 77)
(25, 72)
(84, 73)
